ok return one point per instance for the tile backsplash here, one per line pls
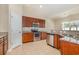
(28, 29)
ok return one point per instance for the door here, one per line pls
(16, 29)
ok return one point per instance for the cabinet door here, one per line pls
(27, 37)
(1, 48)
(65, 47)
(74, 49)
(56, 41)
(27, 21)
(23, 21)
(68, 48)
(43, 35)
(42, 23)
(5, 44)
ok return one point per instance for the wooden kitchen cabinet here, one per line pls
(69, 48)
(43, 35)
(57, 41)
(27, 37)
(64, 47)
(1, 48)
(3, 45)
(41, 23)
(28, 21)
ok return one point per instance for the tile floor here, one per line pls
(34, 48)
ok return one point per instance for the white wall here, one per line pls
(4, 18)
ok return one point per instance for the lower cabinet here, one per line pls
(27, 37)
(68, 48)
(57, 41)
(3, 45)
(64, 47)
(43, 35)
(1, 48)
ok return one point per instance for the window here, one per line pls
(77, 24)
(73, 28)
(73, 25)
(78, 28)
(65, 26)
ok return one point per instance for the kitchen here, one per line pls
(52, 31)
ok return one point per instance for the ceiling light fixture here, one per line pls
(41, 6)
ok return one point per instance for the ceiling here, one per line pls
(46, 10)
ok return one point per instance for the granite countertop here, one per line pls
(2, 34)
(50, 33)
(29, 29)
(70, 39)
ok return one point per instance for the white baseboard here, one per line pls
(10, 49)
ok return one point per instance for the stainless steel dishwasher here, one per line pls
(50, 40)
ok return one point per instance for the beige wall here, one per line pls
(57, 24)
(29, 12)
(69, 15)
(49, 24)
(4, 18)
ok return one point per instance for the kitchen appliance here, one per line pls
(50, 40)
(35, 27)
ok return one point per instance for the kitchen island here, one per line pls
(69, 46)
(67, 43)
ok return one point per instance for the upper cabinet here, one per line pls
(28, 22)
(41, 23)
